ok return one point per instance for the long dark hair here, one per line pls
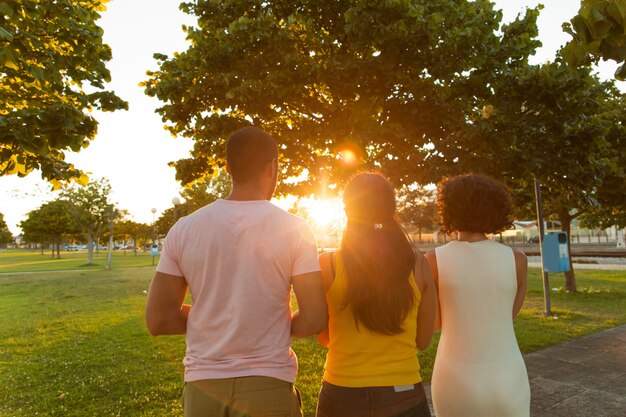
(377, 255)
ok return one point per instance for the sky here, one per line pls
(132, 149)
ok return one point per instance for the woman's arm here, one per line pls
(521, 271)
(431, 257)
(428, 307)
(327, 280)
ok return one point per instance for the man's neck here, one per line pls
(246, 192)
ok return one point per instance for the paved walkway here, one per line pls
(584, 377)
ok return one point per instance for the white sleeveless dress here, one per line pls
(479, 370)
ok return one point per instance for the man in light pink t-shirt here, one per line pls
(240, 257)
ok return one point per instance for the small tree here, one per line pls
(130, 229)
(51, 223)
(90, 210)
(416, 206)
(6, 237)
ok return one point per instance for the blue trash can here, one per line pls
(555, 252)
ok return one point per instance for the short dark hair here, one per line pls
(474, 203)
(248, 151)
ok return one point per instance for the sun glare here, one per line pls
(325, 213)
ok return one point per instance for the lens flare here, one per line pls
(348, 157)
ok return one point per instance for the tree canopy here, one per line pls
(52, 74)
(390, 81)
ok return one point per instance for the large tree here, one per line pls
(52, 74)
(387, 80)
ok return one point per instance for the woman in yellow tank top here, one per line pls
(381, 304)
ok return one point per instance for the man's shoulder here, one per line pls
(291, 218)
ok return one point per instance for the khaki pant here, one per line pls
(252, 396)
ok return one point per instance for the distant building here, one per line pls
(18, 240)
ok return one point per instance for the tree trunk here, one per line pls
(89, 249)
(419, 227)
(109, 252)
(570, 277)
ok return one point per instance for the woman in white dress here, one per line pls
(479, 370)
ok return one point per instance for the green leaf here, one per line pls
(617, 10)
(6, 9)
(620, 73)
(5, 35)
(7, 59)
(582, 29)
(574, 54)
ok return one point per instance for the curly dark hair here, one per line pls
(474, 203)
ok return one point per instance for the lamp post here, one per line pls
(153, 235)
(153, 225)
(544, 274)
(176, 203)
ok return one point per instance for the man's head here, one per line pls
(251, 157)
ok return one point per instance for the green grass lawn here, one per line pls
(23, 260)
(73, 343)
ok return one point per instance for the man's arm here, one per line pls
(165, 311)
(312, 315)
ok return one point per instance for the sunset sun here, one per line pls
(324, 213)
